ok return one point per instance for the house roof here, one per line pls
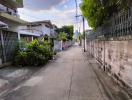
(37, 23)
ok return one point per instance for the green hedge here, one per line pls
(35, 54)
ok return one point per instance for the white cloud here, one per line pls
(65, 6)
(42, 4)
(58, 17)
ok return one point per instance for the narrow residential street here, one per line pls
(70, 77)
(65, 50)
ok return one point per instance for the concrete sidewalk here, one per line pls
(11, 77)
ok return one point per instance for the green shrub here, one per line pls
(36, 53)
(20, 58)
(55, 52)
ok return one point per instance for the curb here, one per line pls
(111, 93)
(104, 85)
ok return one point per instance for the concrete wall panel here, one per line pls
(116, 55)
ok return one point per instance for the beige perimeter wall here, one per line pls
(115, 55)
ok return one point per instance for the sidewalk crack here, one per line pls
(70, 87)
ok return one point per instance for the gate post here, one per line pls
(3, 47)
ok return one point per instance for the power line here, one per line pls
(36, 18)
(76, 9)
(55, 19)
(83, 25)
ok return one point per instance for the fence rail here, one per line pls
(119, 24)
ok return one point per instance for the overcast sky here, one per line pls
(60, 12)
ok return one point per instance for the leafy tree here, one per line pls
(93, 11)
(68, 30)
(79, 37)
(98, 11)
(62, 36)
(19, 2)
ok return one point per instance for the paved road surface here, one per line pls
(70, 77)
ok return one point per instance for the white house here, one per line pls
(41, 27)
(37, 29)
(9, 14)
(54, 33)
(9, 22)
(27, 35)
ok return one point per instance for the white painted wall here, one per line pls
(57, 45)
(46, 30)
(39, 29)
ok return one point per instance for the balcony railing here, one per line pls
(4, 9)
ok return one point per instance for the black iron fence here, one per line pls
(119, 24)
(8, 43)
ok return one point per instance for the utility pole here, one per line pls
(76, 7)
(83, 31)
(83, 24)
(84, 34)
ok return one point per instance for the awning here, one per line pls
(28, 33)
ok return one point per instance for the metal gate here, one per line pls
(8, 43)
(1, 50)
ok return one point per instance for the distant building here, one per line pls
(27, 36)
(76, 34)
(39, 29)
(26, 33)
